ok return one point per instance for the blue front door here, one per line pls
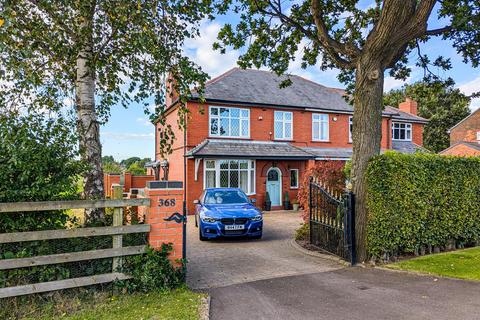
(274, 185)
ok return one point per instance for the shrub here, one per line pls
(416, 202)
(152, 271)
(303, 232)
(329, 172)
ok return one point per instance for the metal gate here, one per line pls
(332, 221)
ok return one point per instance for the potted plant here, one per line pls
(286, 201)
(295, 204)
(268, 204)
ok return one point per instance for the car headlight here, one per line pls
(257, 218)
(208, 219)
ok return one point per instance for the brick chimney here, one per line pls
(409, 106)
(171, 94)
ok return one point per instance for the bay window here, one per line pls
(229, 122)
(230, 174)
(402, 131)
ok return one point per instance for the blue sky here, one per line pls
(128, 133)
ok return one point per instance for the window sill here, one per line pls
(293, 188)
(232, 138)
(283, 140)
(321, 141)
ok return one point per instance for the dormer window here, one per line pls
(401, 131)
(229, 122)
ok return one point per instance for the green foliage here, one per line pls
(339, 34)
(129, 161)
(37, 163)
(152, 271)
(112, 168)
(440, 102)
(416, 202)
(134, 44)
(303, 233)
(286, 197)
(329, 172)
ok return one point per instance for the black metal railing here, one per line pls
(332, 220)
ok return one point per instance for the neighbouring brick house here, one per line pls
(465, 137)
(251, 134)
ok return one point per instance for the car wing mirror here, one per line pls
(253, 200)
(196, 201)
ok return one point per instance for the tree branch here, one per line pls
(439, 31)
(332, 46)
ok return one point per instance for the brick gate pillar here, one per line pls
(166, 198)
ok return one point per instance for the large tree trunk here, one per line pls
(87, 124)
(367, 136)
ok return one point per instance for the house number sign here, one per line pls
(166, 202)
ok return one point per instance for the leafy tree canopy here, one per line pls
(440, 102)
(135, 43)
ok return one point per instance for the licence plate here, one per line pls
(235, 227)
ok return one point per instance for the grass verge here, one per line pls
(462, 264)
(176, 304)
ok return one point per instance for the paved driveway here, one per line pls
(349, 293)
(218, 263)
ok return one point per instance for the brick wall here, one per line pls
(129, 181)
(467, 129)
(162, 231)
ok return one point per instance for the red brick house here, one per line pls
(465, 137)
(251, 134)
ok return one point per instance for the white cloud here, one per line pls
(392, 83)
(200, 50)
(144, 121)
(471, 87)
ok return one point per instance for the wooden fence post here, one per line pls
(117, 221)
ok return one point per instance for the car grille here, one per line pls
(234, 221)
(234, 232)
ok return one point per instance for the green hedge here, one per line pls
(422, 201)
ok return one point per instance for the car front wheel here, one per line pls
(202, 238)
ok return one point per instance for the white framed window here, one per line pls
(350, 129)
(402, 131)
(319, 127)
(283, 125)
(229, 122)
(293, 178)
(223, 173)
(478, 136)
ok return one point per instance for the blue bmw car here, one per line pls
(227, 212)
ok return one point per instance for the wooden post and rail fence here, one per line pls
(154, 221)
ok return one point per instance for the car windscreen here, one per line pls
(225, 197)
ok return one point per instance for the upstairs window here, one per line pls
(229, 122)
(319, 127)
(402, 131)
(350, 128)
(283, 125)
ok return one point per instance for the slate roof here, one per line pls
(469, 144)
(407, 147)
(330, 153)
(258, 87)
(248, 149)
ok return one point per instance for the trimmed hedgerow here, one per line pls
(422, 202)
